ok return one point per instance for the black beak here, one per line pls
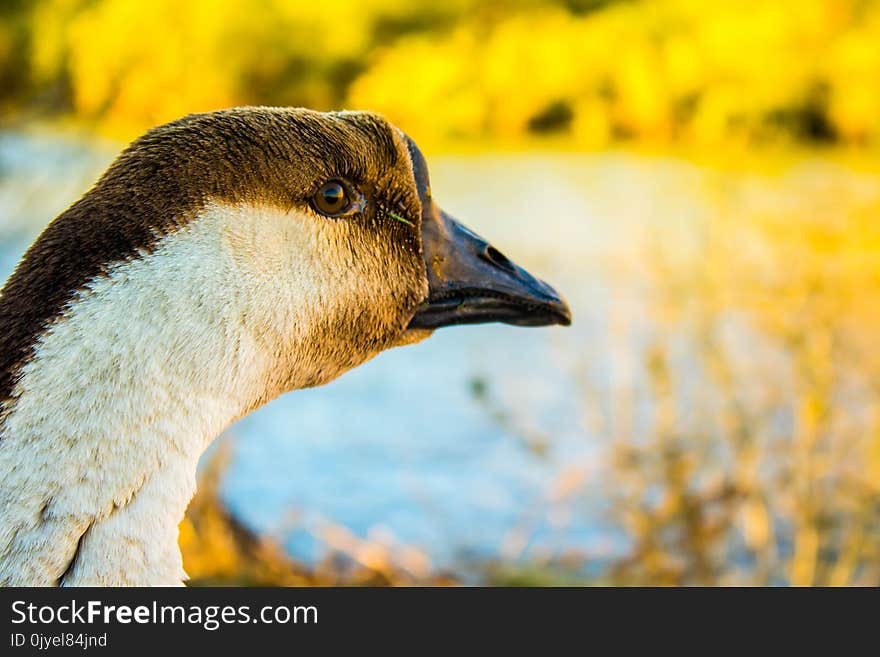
(469, 280)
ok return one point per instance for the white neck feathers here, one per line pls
(126, 390)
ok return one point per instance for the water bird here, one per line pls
(221, 260)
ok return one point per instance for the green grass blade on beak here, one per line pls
(400, 219)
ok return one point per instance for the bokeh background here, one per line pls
(701, 180)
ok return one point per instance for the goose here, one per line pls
(220, 261)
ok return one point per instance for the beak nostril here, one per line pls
(497, 258)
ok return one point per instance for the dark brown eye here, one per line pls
(333, 198)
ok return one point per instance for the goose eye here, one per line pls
(333, 199)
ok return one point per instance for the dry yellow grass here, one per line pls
(762, 464)
(218, 550)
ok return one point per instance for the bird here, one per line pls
(221, 260)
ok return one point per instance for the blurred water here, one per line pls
(459, 444)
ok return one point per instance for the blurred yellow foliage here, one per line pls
(593, 70)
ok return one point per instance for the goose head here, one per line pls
(221, 260)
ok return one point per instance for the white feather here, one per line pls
(146, 366)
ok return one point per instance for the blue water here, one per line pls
(459, 446)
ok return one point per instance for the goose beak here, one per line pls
(472, 282)
(469, 280)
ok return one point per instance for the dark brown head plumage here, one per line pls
(162, 180)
